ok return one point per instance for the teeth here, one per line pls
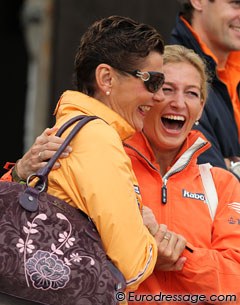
(145, 108)
(237, 28)
(174, 117)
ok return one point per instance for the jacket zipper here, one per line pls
(167, 175)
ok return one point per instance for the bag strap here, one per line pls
(28, 199)
(83, 119)
(70, 122)
(210, 189)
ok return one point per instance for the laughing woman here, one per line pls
(97, 177)
(164, 159)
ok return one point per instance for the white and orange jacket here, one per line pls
(214, 265)
(98, 178)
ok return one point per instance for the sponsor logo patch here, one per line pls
(197, 196)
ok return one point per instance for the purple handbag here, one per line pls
(50, 252)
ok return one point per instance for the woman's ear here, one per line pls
(200, 111)
(197, 4)
(103, 76)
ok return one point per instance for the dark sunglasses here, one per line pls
(153, 81)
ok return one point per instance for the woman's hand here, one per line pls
(41, 151)
(170, 245)
(170, 249)
(149, 220)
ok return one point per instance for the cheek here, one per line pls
(129, 105)
(195, 108)
(152, 129)
(131, 96)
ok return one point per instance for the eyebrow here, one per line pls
(188, 86)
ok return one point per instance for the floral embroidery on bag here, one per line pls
(45, 269)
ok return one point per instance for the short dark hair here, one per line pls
(118, 41)
(187, 9)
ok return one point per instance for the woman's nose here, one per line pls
(178, 100)
(158, 96)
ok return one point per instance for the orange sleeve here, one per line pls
(7, 176)
(217, 268)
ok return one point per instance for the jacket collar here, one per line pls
(202, 45)
(194, 145)
(73, 103)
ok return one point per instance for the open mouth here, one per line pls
(173, 122)
(144, 109)
(236, 28)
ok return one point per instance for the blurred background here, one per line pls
(39, 41)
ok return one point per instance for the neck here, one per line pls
(164, 158)
(222, 59)
(221, 56)
(217, 50)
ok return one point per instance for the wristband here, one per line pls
(15, 176)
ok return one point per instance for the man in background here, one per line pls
(212, 29)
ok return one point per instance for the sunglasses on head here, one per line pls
(153, 81)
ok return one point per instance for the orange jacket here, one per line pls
(98, 178)
(8, 175)
(214, 266)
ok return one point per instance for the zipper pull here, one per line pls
(164, 192)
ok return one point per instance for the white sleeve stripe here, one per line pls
(140, 274)
(235, 206)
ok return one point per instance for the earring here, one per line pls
(107, 92)
(196, 123)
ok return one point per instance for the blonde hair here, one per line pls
(178, 54)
